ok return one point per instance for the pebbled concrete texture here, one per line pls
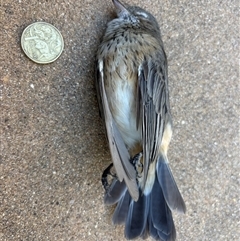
(53, 148)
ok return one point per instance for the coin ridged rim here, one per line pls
(51, 26)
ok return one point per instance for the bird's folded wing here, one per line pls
(153, 110)
(120, 155)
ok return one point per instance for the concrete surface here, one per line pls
(53, 149)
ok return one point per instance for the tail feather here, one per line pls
(159, 235)
(153, 232)
(137, 217)
(170, 190)
(151, 214)
(115, 192)
(160, 216)
(121, 211)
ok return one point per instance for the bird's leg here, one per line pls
(136, 161)
(108, 173)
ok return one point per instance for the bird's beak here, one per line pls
(120, 8)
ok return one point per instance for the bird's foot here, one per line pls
(108, 175)
(138, 165)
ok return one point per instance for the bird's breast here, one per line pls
(122, 54)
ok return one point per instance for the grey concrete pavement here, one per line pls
(53, 147)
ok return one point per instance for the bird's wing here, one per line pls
(153, 111)
(120, 155)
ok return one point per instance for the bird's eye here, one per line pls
(142, 14)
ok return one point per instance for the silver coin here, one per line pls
(42, 42)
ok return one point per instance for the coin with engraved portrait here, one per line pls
(42, 42)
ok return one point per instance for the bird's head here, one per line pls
(136, 16)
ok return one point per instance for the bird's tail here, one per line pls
(151, 214)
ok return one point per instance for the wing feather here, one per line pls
(153, 106)
(120, 155)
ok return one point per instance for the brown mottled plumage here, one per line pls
(132, 86)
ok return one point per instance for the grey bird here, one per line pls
(132, 89)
